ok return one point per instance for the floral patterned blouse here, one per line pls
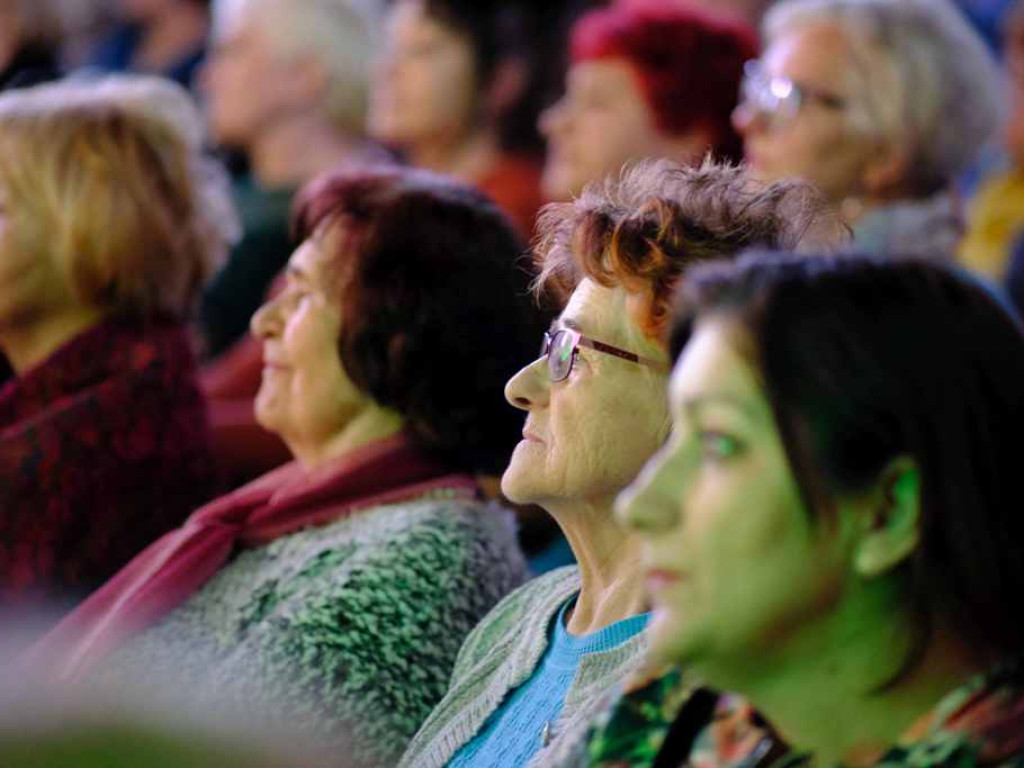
(662, 721)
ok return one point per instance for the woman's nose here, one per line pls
(266, 320)
(530, 387)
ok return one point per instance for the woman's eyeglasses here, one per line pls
(779, 98)
(560, 349)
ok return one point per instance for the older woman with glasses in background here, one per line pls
(882, 104)
(531, 674)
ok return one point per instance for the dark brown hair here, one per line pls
(436, 309)
(644, 229)
(866, 359)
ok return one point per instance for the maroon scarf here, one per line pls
(164, 575)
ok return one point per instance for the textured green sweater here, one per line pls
(347, 632)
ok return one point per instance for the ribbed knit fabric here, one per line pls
(501, 654)
(514, 733)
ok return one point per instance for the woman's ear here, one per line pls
(885, 171)
(890, 524)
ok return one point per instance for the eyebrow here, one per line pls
(693, 405)
(564, 322)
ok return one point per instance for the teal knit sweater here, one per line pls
(500, 655)
(522, 726)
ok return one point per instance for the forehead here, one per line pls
(613, 75)
(714, 368)
(410, 17)
(816, 53)
(312, 257)
(601, 313)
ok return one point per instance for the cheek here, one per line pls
(608, 441)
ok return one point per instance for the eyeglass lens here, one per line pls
(559, 348)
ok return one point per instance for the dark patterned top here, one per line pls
(979, 724)
(104, 446)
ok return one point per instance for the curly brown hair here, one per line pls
(644, 229)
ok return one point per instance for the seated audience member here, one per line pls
(342, 585)
(648, 79)
(110, 222)
(448, 84)
(531, 674)
(831, 530)
(157, 37)
(286, 83)
(30, 35)
(882, 104)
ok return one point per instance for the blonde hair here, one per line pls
(106, 178)
(341, 36)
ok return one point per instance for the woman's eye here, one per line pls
(717, 446)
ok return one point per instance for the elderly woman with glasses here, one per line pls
(532, 673)
(881, 103)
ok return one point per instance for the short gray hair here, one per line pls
(927, 80)
(341, 35)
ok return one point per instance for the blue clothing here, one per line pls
(514, 733)
(115, 54)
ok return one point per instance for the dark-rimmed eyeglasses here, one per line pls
(778, 97)
(560, 349)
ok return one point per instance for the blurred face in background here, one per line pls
(245, 81)
(602, 122)
(425, 87)
(794, 116)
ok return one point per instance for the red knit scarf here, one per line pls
(176, 566)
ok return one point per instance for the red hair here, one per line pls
(688, 62)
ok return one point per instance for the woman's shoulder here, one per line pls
(522, 614)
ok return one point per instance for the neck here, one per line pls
(27, 345)
(295, 150)
(837, 701)
(370, 425)
(170, 35)
(612, 587)
(468, 158)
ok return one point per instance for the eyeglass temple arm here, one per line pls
(608, 349)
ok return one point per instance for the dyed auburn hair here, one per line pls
(865, 359)
(106, 177)
(643, 230)
(436, 309)
(688, 62)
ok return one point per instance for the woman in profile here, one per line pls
(340, 586)
(833, 532)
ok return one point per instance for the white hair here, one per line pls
(924, 78)
(341, 36)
